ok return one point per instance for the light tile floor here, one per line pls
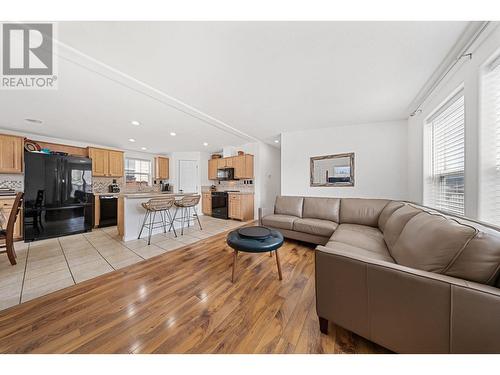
(49, 265)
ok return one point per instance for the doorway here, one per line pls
(188, 176)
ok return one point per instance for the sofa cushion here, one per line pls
(388, 210)
(430, 242)
(396, 222)
(479, 261)
(361, 211)
(279, 221)
(322, 208)
(315, 226)
(362, 236)
(289, 206)
(350, 249)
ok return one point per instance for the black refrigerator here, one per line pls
(58, 197)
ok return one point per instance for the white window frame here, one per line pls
(433, 181)
(149, 175)
(489, 146)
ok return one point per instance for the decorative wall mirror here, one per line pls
(332, 170)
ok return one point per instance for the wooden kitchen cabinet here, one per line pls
(106, 163)
(116, 167)
(6, 208)
(242, 164)
(212, 169)
(221, 163)
(161, 168)
(206, 203)
(240, 206)
(11, 154)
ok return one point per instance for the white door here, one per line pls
(188, 176)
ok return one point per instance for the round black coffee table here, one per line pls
(255, 240)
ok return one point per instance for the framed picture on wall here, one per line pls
(332, 170)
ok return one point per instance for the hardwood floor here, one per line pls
(184, 302)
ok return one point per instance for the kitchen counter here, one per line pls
(153, 194)
(131, 213)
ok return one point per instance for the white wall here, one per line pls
(269, 174)
(466, 73)
(380, 159)
(267, 170)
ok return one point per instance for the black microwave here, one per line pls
(225, 174)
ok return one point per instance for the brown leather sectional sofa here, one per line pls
(406, 277)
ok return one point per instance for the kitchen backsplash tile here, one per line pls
(12, 181)
(101, 185)
(239, 185)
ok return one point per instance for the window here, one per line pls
(137, 171)
(445, 157)
(489, 175)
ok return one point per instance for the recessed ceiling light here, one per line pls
(33, 120)
(276, 141)
(136, 123)
(131, 140)
(173, 134)
(205, 144)
(143, 148)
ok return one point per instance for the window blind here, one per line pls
(489, 171)
(445, 155)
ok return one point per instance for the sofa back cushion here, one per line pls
(396, 222)
(479, 261)
(430, 242)
(388, 210)
(289, 206)
(361, 211)
(321, 208)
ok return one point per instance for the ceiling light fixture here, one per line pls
(276, 141)
(173, 134)
(143, 148)
(33, 121)
(131, 140)
(136, 123)
(205, 144)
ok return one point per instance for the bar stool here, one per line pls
(161, 206)
(185, 204)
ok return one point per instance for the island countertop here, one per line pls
(153, 194)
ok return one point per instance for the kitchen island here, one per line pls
(131, 213)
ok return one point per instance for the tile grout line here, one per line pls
(140, 256)
(66, 259)
(98, 252)
(24, 274)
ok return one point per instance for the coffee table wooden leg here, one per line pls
(279, 265)
(235, 258)
(270, 253)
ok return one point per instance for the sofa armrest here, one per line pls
(404, 309)
(264, 211)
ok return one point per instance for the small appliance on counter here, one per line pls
(165, 186)
(114, 188)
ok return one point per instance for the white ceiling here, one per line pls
(227, 83)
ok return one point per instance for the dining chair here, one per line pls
(7, 234)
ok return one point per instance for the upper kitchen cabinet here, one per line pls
(212, 169)
(116, 163)
(161, 168)
(242, 164)
(11, 154)
(106, 163)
